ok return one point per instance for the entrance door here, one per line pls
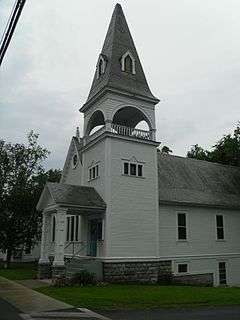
(95, 229)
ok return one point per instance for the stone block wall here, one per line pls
(141, 272)
(205, 279)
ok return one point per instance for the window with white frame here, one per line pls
(220, 227)
(72, 228)
(128, 63)
(94, 172)
(222, 272)
(53, 228)
(182, 226)
(182, 268)
(132, 169)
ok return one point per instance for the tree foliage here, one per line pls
(22, 178)
(225, 151)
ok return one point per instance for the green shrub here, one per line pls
(83, 278)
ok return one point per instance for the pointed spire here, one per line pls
(118, 41)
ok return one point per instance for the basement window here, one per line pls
(182, 268)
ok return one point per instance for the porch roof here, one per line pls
(70, 195)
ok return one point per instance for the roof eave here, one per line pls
(194, 204)
(129, 94)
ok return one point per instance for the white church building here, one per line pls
(126, 210)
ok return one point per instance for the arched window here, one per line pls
(128, 63)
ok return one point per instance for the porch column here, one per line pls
(44, 265)
(60, 238)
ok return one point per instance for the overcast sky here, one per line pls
(190, 51)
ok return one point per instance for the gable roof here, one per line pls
(75, 146)
(117, 42)
(81, 196)
(196, 182)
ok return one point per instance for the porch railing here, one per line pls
(80, 248)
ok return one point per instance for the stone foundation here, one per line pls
(136, 272)
(205, 279)
(58, 271)
(44, 271)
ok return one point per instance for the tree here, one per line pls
(166, 149)
(21, 181)
(225, 151)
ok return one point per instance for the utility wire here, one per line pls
(11, 25)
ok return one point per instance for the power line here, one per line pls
(11, 25)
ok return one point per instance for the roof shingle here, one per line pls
(191, 181)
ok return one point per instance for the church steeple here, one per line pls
(119, 67)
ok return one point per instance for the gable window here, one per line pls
(94, 172)
(220, 227)
(74, 161)
(222, 273)
(182, 226)
(182, 268)
(133, 169)
(128, 63)
(101, 66)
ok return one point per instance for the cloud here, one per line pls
(189, 50)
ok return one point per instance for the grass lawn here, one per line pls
(19, 271)
(143, 296)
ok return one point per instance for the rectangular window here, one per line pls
(53, 228)
(133, 169)
(182, 226)
(182, 268)
(72, 229)
(68, 228)
(222, 273)
(220, 228)
(97, 171)
(76, 226)
(126, 168)
(140, 170)
(94, 172)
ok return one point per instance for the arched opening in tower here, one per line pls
(95, 123)
(131, 117)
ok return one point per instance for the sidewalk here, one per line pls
(35, 305)
(27, 300)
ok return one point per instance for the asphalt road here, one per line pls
(8, 312)
(218, 313)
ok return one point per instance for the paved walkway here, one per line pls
(35, 305)
(27, 300)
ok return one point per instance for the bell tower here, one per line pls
(119, 157)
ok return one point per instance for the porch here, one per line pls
(72, 227)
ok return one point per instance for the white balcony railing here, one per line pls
(121, 130)
(131, 132)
